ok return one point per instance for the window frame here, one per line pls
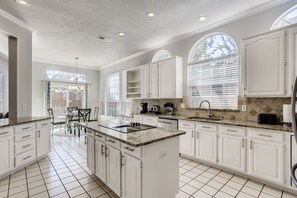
(280, 18)
(159, 53)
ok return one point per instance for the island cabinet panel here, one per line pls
(113, 174)
(43, 138)
(131, 177)
(100, 160)
(91, 152)
(6, 147)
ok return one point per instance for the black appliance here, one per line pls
(156, 109)
(294, 126)
(143, 108)
(169, 108)
(266, 118)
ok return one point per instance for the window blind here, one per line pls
(215, 81)
(113, 94)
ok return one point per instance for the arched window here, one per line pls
(161, 55)
(287, 18)
(213, 66)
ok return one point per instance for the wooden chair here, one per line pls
(54, 122)
(83, 116)
(96, 113)
(72, 118)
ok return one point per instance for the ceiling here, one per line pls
(64, 29)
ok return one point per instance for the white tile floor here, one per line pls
(64, 173)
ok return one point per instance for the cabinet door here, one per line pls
(264, 55)
(131, 177)
(187, 142)
(145, 81)
(154, 80)
(292, 67)
(267, 160)
(206, 146)
(113, 179)
(44, 141)
(6, 157)
(232, 152)
(124, 85)
(167, 78)
(91, 153)
(100, 161)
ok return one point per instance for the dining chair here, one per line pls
(54, 122)
(72, 118)
(83, 116)
(96, 113)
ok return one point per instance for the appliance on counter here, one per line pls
(169, 108)
(168, 123)
(294, 126)
(267, 118)
(287, 117)
(156, 109)
(143, 107)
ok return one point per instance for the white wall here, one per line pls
(4, 70)
(239, 29)
(24, 64)
(38, 86)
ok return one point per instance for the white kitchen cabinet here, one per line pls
(292, 66)
(43, 138)
(131, 177)
(171, 78)
(6, 147)
(206, 142)
(113, 167)
(91, 151)
(150, 80)
(133, 85)
(266, 160)
(150, 120)
(264, 54)
(145, 81)
(137, 118)
(187, 142)
(100, 160)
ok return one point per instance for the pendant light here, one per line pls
(76, 88)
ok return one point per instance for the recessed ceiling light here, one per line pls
(151, 14)
(121, 33)
(22, 2)
(202, 18)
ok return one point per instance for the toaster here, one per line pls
(266, 118)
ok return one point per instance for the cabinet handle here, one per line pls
(38, 133)
(26, 157)
(102, 150)
(106, 151)
(251, 144)
(4, 133)
(89, 131)
(26, 128)
(206, 127)
(44, 124)
(192, 134)
(129, 149)
(229, 130)
(112, 141)
(185, 124)
(100, 136)
(26, 146)
(197, 134)
(26, 136)
(244, 91)
(122, 160)
(242, 143)
(263, 135)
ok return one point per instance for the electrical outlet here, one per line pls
(243, 108)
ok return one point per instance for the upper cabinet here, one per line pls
(132, 87)
(292, 66)
(264, 65)
(150, 81)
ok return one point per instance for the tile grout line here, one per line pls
(27, 184)
(43, 178)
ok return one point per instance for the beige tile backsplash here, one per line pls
(254, 107)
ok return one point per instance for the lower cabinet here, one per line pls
(113, 169)
(43, 141)
(91, 151)
(266, 160)
(187, 142)
(100, 161)
(131, 177)
(6, 147)
(206, 146)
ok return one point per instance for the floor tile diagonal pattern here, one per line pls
(64, 173)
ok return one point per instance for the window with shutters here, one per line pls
(113, 94)
(213, 66)
(287, 18)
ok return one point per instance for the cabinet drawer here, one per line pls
(114, 143)
(266, 135)
(152, 121)
(24, 127)
(137, 118)
(24, 158)
(230, 130)
(43, 124)
(24, 136)
(100, 137)
(133, 151)
(5, 131)
(24, 146)
(186, 124)
(206, 127)
(90, 133)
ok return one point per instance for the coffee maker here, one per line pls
(143, 108)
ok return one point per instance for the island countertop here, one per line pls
(22, 120)
(135, 139)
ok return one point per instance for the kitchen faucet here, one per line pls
(210, 114)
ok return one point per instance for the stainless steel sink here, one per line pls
(205, 118)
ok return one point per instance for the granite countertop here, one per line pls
(22, 120)
(135, 139)
(251, 124)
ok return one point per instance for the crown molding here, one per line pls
(15, 20)
(231, 19)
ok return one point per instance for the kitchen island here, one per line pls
(134, 164)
